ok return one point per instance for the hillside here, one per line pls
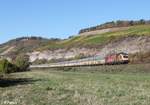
(100, 39)
(131, 39)
(22, 45)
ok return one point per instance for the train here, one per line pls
(110, 59)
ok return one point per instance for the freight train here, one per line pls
(110, 59)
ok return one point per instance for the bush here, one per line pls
(3, 66)
(22, 62)
(7, 67)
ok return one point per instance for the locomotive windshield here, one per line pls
(125, 56)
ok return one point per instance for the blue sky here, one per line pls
(63, 18)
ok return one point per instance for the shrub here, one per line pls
(22, 62)
(7, 67)
(3, 66)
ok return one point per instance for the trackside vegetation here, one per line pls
(6, 67)
(21, 63)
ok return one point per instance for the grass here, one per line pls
(49, 87)
(133, 30)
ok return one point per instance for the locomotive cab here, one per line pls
(124, 58)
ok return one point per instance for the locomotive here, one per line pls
(119, 58)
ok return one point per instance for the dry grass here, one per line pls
(48, 87)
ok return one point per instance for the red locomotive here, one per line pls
(119, 58)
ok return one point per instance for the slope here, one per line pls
(95, 41)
